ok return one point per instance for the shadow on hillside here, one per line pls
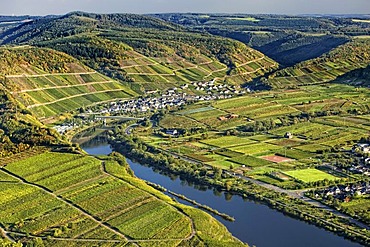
(357, 77)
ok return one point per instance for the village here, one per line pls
(363, 166)
(345, 192)
(154, 101)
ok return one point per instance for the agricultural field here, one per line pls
(310, 175)
(48, 95)
(271, 151)
(228, 141)
(179, 122)
(76, 207)
(255, 149)
(251, 161)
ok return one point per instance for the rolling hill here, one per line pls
(286, 39)
(357, 77)
(145, 51)
(47, 82)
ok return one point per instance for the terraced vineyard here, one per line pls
(69, 200)
(341, 60)
(49, 94)
(173, 69)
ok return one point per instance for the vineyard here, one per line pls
(326, 68)
(49, 95)
(62, 84)
(88, 206)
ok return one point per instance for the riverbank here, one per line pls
(193, 202)
(292, 207)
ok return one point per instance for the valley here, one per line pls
(272, 119)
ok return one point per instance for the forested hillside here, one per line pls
(20, 131)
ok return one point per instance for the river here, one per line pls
(255, 224)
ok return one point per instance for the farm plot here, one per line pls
(255, 149)
(228, 141)
(207, 114)
(235, 103)
(313, 148)
(65, 92)
(57, 171)
(294, 153)
(306, 130)
(251, 161)
(178, 122)
(195, 110)
(310, 175)
(276, 158)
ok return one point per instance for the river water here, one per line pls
(255, 224)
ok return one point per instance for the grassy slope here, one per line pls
(48, 82)
(350, 56)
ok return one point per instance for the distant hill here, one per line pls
(286, 39)
(42, 29)
(350, 59)
(147, 52)
(48, 83)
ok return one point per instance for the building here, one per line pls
(172, 132)
(288, 135)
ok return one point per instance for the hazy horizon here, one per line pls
(289, 7)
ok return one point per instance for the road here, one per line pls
(74, 96)
(64, 86)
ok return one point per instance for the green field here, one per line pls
(254, 149)
(250, 161)
(80, 198)
(310, 175)
(228, 141)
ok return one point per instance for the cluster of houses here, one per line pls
(146, 104)
(345, 192)
(363, 166)
(61, 129)
(222, 89)
(173, 97)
